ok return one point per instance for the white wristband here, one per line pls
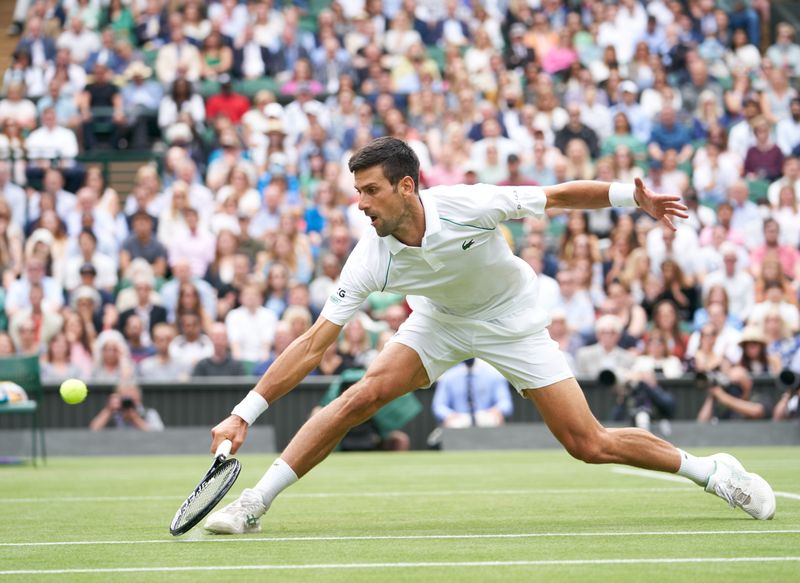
(621, 195)
(251, 407)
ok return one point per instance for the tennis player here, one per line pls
(471, 297)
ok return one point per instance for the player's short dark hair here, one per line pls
(396, 158)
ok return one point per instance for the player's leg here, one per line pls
(538, 370)
(396, 371)
(566, 413)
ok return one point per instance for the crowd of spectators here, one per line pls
(227, 247)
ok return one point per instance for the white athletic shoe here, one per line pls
(243, 515)
(738, 487)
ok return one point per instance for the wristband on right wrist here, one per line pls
(250, 407)
(622, 195)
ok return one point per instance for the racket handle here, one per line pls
(224, 449)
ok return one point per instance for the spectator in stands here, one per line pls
(775, 299)
(772, 273)
(70, 74)
(217, 57)
(31, 328)
(737, 282)
(87, 213)
(81, 40)
(118, 18)
(11, 238)
(733, 398)
(191, 346)
(251, 59)
(606, 353)
(619, 303)
(67, 113)
(142, 243)
(134, 332)
(41, 47)
(56, 365)
(149, 313)
(112, 362)
(182, 274)
(355, 347)
(790, 177)
(764, 159)
(220, 363)
(178, 59)
(18, 295)
(101, 105)
(194, 242)
(283, 337)
(251, 327)
(788, 129)
(81, 337)
(575, 302)
(141, 100)
(227, 102)
(785, 53)
(16, 106)
(161, 366)
(472, 394)
(51, 145)
(670, 134)
(576, 129)
(182, 104)
(679, 289)
(755, 358)
(788, 256)
(104, 266)
(124, 410)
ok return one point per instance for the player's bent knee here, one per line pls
(360, 402)
(591, 448)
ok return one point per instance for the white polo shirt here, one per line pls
(464, 267)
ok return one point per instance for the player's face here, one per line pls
(385, 205)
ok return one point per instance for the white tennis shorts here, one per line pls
(516, 345)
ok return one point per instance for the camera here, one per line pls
(787, 380)
(711, 378)
(127, 403)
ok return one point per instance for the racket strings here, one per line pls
(208, 493)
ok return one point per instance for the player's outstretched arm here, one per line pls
(291, 367)
(591, 194)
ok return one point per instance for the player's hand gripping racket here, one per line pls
(212, 488)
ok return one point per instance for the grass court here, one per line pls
(422, 516)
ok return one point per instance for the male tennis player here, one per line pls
(471, 298)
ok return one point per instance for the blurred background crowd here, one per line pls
(228, 244)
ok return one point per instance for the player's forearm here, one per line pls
(580, 194)
(300, 358)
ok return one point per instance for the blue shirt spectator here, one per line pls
(472, 393)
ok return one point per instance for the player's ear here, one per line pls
(407, 185)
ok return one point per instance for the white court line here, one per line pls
(426, 565)
(213, 539)
(671, 478)
(389, 494)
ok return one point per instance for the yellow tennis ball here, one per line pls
(73, 391)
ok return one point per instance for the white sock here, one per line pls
(697, 469)
(277, 478)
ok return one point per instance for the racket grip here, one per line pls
(224, 449)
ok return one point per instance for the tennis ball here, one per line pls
(73, 391)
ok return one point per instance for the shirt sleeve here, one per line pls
(356, 282)
(486, 205)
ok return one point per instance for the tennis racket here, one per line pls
(212, 488)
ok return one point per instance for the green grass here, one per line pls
(544, 494)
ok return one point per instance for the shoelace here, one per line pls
(734, 495)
